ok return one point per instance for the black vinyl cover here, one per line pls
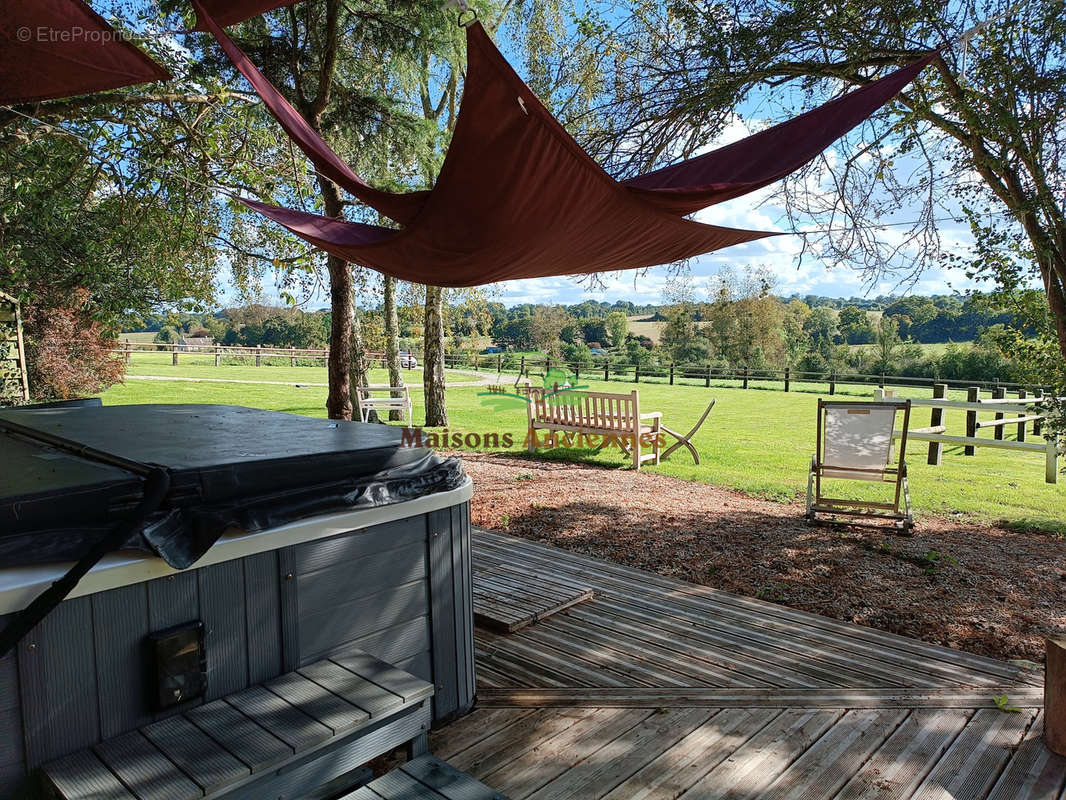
(230, 467)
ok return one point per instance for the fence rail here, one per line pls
(1028, 409)
(502, 363)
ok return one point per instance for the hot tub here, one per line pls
(283, 540)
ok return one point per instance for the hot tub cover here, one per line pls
(230, 467)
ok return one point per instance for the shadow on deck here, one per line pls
(657, 688)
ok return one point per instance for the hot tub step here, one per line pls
(425, 778)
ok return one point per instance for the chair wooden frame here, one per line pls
(398, 399)
(899, 510)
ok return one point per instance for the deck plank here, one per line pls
(447, 781)
(972, 764)
(282, 719)
(195, 753)
(147, 772)
(318, 703)
(249, 742)
(82, 774)
(353, 688)
(1034, 772)
(385, 675)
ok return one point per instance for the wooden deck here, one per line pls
(657, 688)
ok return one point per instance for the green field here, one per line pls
(758, 442)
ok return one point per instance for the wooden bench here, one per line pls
(398, 398)
(614, 417)
(258, 742)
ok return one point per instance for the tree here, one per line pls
(888, 344)
(797, 340)
(679, 334)
(546, 327)
(618, 327)
(855, 325)
(981, 130)
(392, 338)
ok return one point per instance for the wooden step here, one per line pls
(425, 778)
(215, 748)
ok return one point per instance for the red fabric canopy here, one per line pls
(62, 48)
(769, 155)
(230, 12)
(517, 197)
(401, 207)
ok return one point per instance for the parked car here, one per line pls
(491, 350)
(597, 351)
(408, 361)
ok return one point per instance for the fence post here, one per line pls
(522, 367)
(174, 356)
(1055, 696)
(788, 372)
(218, 355)
(881, 385)
(636, 373)
(1051, 464)
(1039, 424)
(936, 417)
(547, 365)
(1021, 425)
(259, 355)
(126, 356)
(973, 394)
(707, 378)
(745, 376)
(499, 363)
(832, 383)
(999, 393)
(292, 356)
(577, 372)
(606, 371)
(671, 373)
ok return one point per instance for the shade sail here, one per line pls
(769, 155)
(62, 48)
(398, 206)
(230, 12)
(517, 197)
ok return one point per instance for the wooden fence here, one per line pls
(1022, 412)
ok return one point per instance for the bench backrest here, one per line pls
(365, 391)
(580, 409)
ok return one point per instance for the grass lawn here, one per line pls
(756, 441)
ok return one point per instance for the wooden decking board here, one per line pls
(507, 600)
(702, 697)
(557, 663)
(495, 754)
(83, 773)
(346, 684)
(906, 757)
(552, 757)
(518, 671)
(758, 762)
(693, 756)
(627, 754)
(594, 571)
(144, 770)
(609, 635)
(195, 753)
(398, 785)
(824, 767)
(727, 659)
(1033, 772)
(403, 684)
(973, 763)
(480, 724)
(250, 743)
(828, 656)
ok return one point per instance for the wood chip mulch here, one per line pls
(974, 587)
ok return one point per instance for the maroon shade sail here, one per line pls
(517, 197)
(62, 48)
(230, 12)
(769, 155)
(401, 207)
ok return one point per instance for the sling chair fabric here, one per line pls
(517, 197)
(62, 48)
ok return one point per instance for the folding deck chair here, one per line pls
(855, 443)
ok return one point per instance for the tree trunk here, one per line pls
(392, 340)
(357, 365)
(338, 402)
(433, 359)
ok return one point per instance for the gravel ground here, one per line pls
(979, 588)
